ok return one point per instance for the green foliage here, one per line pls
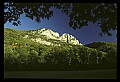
(24, 54)
(103, 15)
(109, 47)
(10, 56)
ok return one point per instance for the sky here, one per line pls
(60, 23)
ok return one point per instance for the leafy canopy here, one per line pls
(102, 14)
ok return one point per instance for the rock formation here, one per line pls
(49, 34)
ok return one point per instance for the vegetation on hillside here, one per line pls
(23, 54)
(108, 47)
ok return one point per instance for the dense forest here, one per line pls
(24, 54)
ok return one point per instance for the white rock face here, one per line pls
(69, 39)
(49, 34)
(26, 36)
(39, 40)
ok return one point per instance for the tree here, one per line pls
(102, 14)
(10, 56)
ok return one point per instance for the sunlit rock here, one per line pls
(26, 36)
(69, 39)
(39, 40)
(49, 34)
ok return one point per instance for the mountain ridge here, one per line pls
(37, 36)
(24, 54)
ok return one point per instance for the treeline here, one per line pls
(109, 47)
(41, 57)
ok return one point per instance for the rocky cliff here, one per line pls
(49, 37)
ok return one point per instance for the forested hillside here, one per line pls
(22, 53)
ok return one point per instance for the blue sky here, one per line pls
(60, 23)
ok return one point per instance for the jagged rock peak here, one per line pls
(49, 34)
(69, 39)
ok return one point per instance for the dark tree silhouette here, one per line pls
(102, 14)
(67, 39)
